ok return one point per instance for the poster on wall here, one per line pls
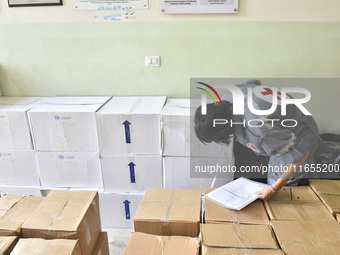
(199, 6)
(110, 4)
(24, 3)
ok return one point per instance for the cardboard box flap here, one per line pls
(76, 100)
(306, 231)
(177, 107)
(332, 202)
(146, 244)
(319, 248)
(119, 105)
(60, 210)
(4, 100)
(170, 205)
(56, 108)
(296, 212)
(234, 235)
(15, 108)
(14, 218)
(237, 251)
(134, 105)
(41, 246)
(8, 201)
(7, 243)
(149, 105)
(71, 216)
(325, 186)
(254, 213)
(296, 194)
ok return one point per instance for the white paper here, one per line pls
(5, 131)
(65, 131)
(8, 167)
(236, 194)
(69, 169)
(202, 6)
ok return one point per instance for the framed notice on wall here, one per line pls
(199, 6)
(110, 4)
(24, 3)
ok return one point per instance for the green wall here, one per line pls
(108, 58)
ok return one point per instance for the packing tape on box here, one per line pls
(168, 204)
(238, 230)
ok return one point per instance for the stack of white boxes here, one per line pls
(179, 149)
(18, 167)
(129, 130)
(66, 142)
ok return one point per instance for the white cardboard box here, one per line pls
(130, 125)
(65, 126)
(5, 100)
(118, 209)
(177, 173)
(179, 137)
(131, 173)
(77, 100)
(15, 131)
(70, 169)
(18, 168)
(21, 190)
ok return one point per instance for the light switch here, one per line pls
(152, 61)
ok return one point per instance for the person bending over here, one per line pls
(290, 147)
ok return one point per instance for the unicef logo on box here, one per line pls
(5, 154)
(56, 117)
(61, 157)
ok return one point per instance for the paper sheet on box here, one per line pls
(236, 194)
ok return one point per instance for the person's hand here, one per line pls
(266, 193)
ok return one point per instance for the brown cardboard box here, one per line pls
(66, 214)
(7, 244)
(15, 209)
(297, 212)
(146, 244)
(295, 194)
(321, 248)
(168, 212)
(41, 246)
(330, 187)
(329, 193)
(234, 251)
(332, 202)
(232, 235)
(253, 213)
(102, 247)
(308, 237)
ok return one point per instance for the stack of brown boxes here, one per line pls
(228, 231)
(14, 210)
(301, 222)
(329, 193)
(167, 222)
(66, 222)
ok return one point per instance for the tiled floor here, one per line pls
(118, 239)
